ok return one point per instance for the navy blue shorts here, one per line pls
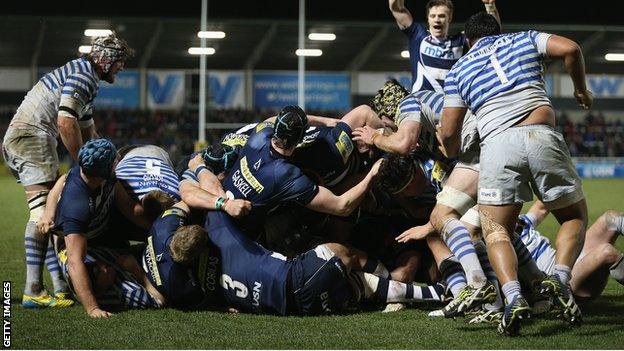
(318, 286)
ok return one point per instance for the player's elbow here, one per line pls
(405, 146)
(66, 124)
(345, 208)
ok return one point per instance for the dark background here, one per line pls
(512, 11)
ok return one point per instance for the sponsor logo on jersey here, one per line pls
(256, 294)
(207, 271)
(263, 125)
(249, 177)
(344, 146)
(234, 139)
(150, 261)
(325, 301)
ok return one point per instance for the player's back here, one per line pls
(500, 80)
(424, 107)
(265, 178)
(75, 82)
(82, 210)
(253, 278)
(179, 283)
(146, 168)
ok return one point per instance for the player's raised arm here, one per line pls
(401, 14)
(76, 251)
(570, 52)
(402, 142)
(490, 8)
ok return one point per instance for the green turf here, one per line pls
(410, 329)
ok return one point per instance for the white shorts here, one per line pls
(470, 144)
(524, 160)
(31, 155)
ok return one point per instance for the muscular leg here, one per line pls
(604, 230)
(497, 223)
(573, 220)
(355, 259)
(455, 200)
(591, 273)
(407, 263)
(448, 265)
(35, 244)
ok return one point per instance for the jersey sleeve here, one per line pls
(409, 110)
(451, 91)
(539, 40)
(415, 31)
(299, 188)
(73, 217)
(76, 95)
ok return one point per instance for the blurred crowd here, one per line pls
(591, 136)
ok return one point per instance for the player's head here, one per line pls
(155, 203)
(219, 158)
(290, 126)
(109, 54)
(97, 158)
(387, 99)
(401, 176)
(101, 275)
(481, 25)
(188, 243)
(439, 17)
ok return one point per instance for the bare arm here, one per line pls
(402, 142)
(89, 133)
(129, 263)
(570, 52)
(326, 202)
(76, 252)
(70, 135)
(490, 8)
(130, 208)
(208, 181)
(450, 130)
(401, 14)
(46, 222)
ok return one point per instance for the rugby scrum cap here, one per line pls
(386, 101)
(96, 158)
(290, 126)
(219, 158)
(105, 51)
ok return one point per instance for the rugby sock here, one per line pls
(392, 291)
(528, 272)
(564, 273)
(51, 261)
(511, 289)
(457, 238)
(453, 275)
(35, 246)
(375, 267)
(489, 274)
(617, 270)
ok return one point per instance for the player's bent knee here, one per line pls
(455, 199)
(617, 270)
(609, 253)
(614, 221)
(472, 217)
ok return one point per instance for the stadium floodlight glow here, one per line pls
(405, 54)
(211, 34)
(309, 52)
(84, 49)
(201, 51)
(614, 57)
(322, 36)
(97, 32)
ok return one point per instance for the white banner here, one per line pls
(226, 89)
(368, 83)
(603, 86)
(165, 90)
(15, 79)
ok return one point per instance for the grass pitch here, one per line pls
(409, 329)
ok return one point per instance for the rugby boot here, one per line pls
(563, 304)
(515, 311)
(475, 297)
(44, 300)
(484, 315)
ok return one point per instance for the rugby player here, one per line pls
(220, 267)
(416, 116)
(515, 123)
(432, 51)
(598, 260)
(60, 103)
(81, 203)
